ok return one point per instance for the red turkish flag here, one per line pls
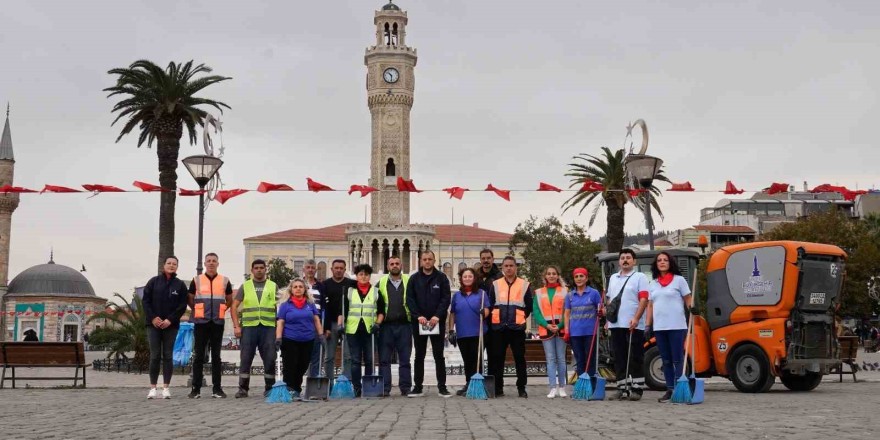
(456, 191)
(226, 194)
(103, 188)
(682, 187)
(267, 187)
(777, 188)
(6, 189)
(404, 185)
(149, 187)
(503, 193)
(191, 192)
(315, 186)
(547, 187)
(59, 189)
(364, 189)
(591, 186)
(730, 189)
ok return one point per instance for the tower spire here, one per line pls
(6, 140)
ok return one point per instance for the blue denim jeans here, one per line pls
(396, 337)
(581, 345)
(554, 352)
(161, 352)
(671, 346)
(258, 338)
(361, 347)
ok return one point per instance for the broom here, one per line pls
(342, 388)
(476, 389)
(682, 391)
(583, 388)
(278, 393)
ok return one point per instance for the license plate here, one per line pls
(817, 298)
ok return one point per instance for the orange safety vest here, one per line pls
(552, 312)
(209, 304)
(510, 306)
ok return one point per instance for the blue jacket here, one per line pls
(166, 298)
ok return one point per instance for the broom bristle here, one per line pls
(583, 388)
(279, 393)
(682, 391)
(342, 389)
(476, 389)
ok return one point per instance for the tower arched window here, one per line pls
(390, 169)
(387, 34)
(394, 35)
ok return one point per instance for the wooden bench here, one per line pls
(849, 349)
(42, 355)
(536, 360)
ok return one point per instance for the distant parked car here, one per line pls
(230, 343)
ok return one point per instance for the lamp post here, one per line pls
(643, 169)
(203, 168)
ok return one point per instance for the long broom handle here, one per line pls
(596, 332)
(482, 319)
(693, 339)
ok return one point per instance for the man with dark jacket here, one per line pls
(428, 297)
(165, 300)
(511, 304)
(333, 290)
(487, 274)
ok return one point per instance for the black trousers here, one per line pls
(620, 344)
(421, 344)
(469, 348)
(161, 352)
(516, 340)
(295, 359)
(204, 334)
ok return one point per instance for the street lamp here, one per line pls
(643, 169)
(203, 168)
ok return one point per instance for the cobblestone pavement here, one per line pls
(832, 411)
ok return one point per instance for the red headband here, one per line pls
(581, 271)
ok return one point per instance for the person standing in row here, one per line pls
(396, 335)
(488, 273)
(313, 290)
(364, 312)
(468, 310)
(256, 327)
(296, 332)
(333, 290)
(511, 303)
(164, 301)
(627, 343)
(583, 306)
(668, 296)
(210, 295)
(428, 301)
(549, 307)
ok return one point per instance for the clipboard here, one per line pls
(427, 330)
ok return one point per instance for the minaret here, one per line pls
(8, 201)
(390, 86)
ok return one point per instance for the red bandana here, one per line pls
(552, 285)
(364, 288)
(467, 289)
(298, 302)
(665, 279)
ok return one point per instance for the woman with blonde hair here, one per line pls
(548, 309)
(298, 326)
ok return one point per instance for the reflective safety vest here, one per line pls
(258, 312)
(209, 304)
(360, 309)
(383, 290)
(552, 312)
(510, 307)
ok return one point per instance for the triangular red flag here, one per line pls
(503, 193)
(315, 186)
(591, 186)
(456, 191)
(6, 189)
(223, 195)
(731, 189)
(191, 192)
(777, 188)
(682, 187)
(103, 188)
(404, 185)
(149, 187)
(59, 189)
(267, 187)
(364, 189)
(547, 187)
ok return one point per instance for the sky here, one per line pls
(506, 92)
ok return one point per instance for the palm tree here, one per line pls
(126, 332)
(607, 170)
(160, 103)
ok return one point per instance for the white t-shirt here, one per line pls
(629, 303)
(668, 304)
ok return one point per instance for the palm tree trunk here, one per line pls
(615, 219)
(167, 150)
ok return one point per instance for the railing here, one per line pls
(126, 366)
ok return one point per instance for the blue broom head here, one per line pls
(682, 391)
(279, 393)
(342, 389)
(476, 389)
(583, 388)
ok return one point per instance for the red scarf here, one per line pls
(467, 289)
(552, 285)
(298, 302)
(364, 288)
(665, 279)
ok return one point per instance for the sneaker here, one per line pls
(523, 394)
(154, 393)
(416, 392)
(166, 393)
(241, 394)
(461, 393)
(561, 392)
(195, 394)
(443, 392)
(552, 393)
(667, 396)
(636, 394)
(218, 394)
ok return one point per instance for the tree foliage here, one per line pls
(549, 242)
(278, 271)
(127, 331)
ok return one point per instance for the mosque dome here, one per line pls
(50, 279)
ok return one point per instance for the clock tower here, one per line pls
(390, 85)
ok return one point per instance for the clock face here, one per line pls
(391, 75)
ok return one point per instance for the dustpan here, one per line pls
(373, 385)
(317, 388)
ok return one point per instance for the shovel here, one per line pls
(373, 386)
(488, 380)
(318, 388)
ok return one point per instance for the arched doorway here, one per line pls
(71, 328)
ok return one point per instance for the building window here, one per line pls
(390, 169)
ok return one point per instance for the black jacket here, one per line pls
(166, 298)
(332, 294)
(428, 295)
(487, 278)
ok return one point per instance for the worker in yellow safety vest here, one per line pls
(364, 313)
(256, 299)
